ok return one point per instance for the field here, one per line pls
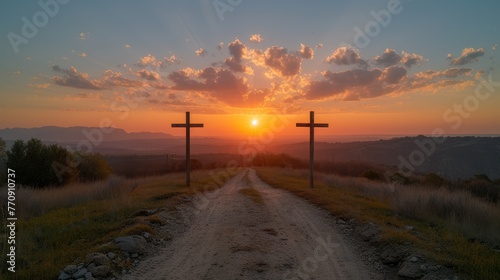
(453, 228)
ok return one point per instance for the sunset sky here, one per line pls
(142, 64)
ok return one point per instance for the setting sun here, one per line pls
(255, 122)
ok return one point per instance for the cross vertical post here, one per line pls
(188, 126)
(311, 126)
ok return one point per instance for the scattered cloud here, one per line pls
(172, 60)
(494, 47)
(220, 46)
(393, 74)
(127, 46)
(17, 73)
(468, 55)
(83, 35)
(75, 79)
(306, 52)
(83, 54)
(256, 38)
(148, 75)
(281, 63)
(39, 86)
(319, 46)
(113, 79)
(218, 83)
(346, 56)
(238, 51)
(200, 52)
(388, 58)
(411, 59)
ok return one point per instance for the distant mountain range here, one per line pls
(75, 134)
(456, 157)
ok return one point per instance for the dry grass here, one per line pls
(446, 221)
(60, 226)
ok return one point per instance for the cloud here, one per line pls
(17, 73)
(393, 74)
(256, 38)
(336, 83)
(281, 62)
(201, 52)
(172, 60)
(220, 46)
(306, 52)
(152, 61)
(86, 95)
(494, 47)
(111, 79)
(449, 73)
(148, 75)
(127, 46)
(74, 79)
(39, 86)
(219, 83)
(319, 46)
(345, 56)
(238, 51)
(411, 59)
(149, 60)
(468, 55)
(83, 54)
(388, 58)
(83, 35)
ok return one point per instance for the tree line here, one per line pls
(39, 165)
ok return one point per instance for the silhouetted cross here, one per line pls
(188, 126)
(311, 126)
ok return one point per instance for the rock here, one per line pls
(135, 255)
(147, 235)
(411, 268)
(64, 276)
(88, 275)
(392, 255)
(369, 232)
(80, 273)
(410, 228)
(100, 271)
(111, 255)
(132, 244)
(98, 259)
(70, 269)
(90, 266)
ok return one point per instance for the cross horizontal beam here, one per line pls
(184, 125)
(309, 125)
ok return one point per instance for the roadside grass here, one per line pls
(57, 227)
(449, 225)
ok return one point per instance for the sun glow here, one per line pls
(255, 122)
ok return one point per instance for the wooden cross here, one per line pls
(188, 126)
(311, 126)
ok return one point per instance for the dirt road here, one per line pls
(234, 237)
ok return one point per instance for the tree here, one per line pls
(38, 165)
(93, 167)
(2, 148)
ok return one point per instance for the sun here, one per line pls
(255, 122)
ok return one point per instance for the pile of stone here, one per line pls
(108, 266)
